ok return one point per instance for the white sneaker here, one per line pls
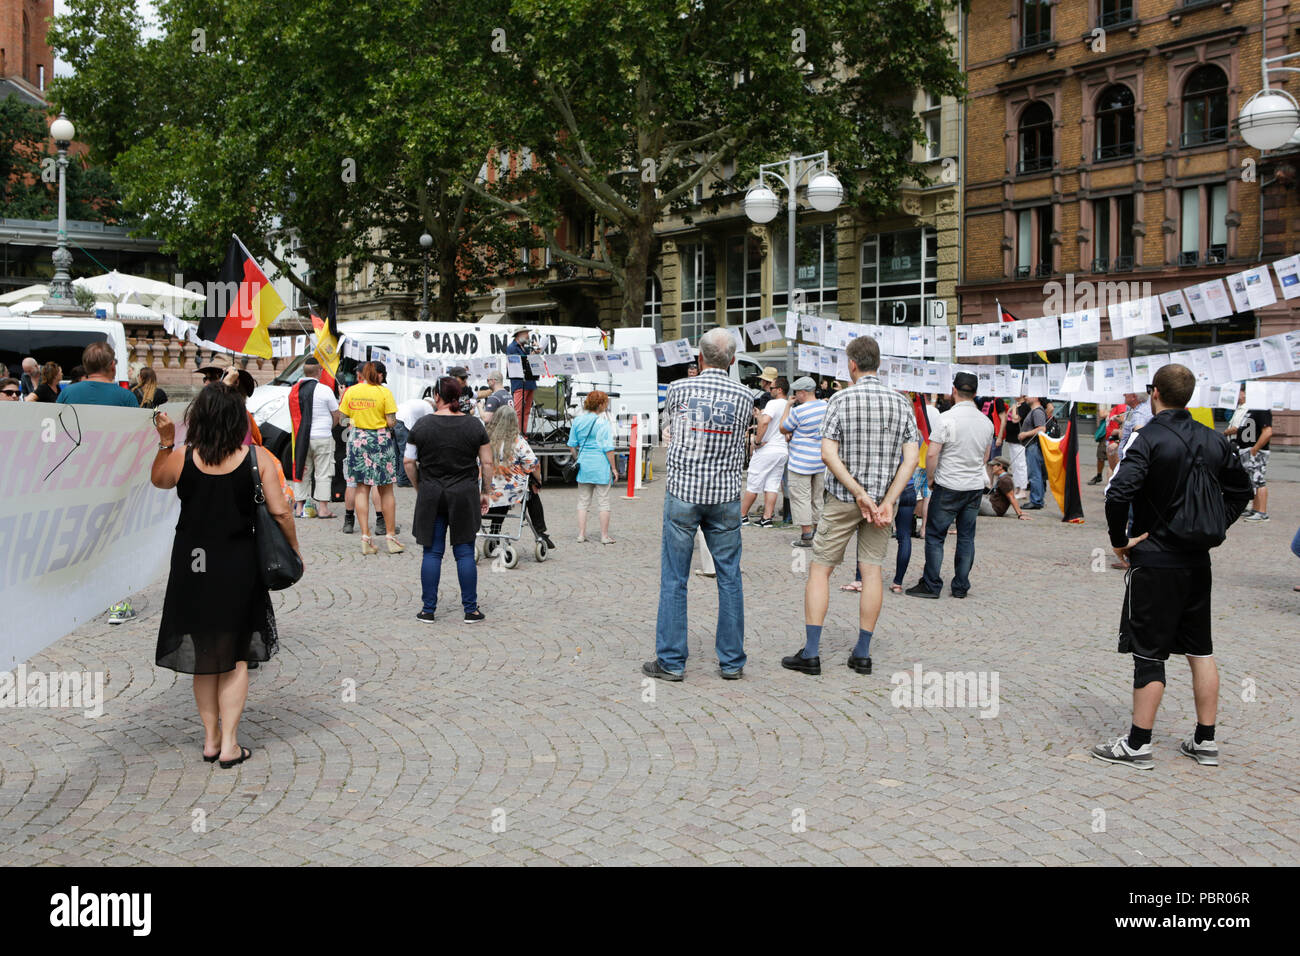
(1206, 753)
(1118, 751)
(121, 613)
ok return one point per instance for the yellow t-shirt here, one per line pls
(367, 405)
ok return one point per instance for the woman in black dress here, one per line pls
(449, 460)
(217, 615)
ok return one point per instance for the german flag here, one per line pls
(327, 342)
(242, 326)
(1061, 456)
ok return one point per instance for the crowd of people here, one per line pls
(846, 461)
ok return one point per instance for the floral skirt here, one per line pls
(372, 457)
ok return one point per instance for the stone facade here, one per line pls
(1157, 202)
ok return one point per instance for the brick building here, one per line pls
(1101, 144)
(25, 57)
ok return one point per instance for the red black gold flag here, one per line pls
(1061, 456)
(241, 322)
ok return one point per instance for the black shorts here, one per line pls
(1166, 611)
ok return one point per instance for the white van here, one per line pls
(54, 338)
(406, 346)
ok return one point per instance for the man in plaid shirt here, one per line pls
(705, 421)
(870, 446)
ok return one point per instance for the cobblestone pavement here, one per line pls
(537, 721)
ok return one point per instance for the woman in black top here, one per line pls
(48, 389)
(147, 391)
(449, 460)
(217, 616)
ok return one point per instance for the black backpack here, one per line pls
(1201, 519)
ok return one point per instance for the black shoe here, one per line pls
(653, 669)
(425, 616)
(801, 542)
(473, 617)
(804, 665)
(349, 523)
(380, 529)
(920, 590)
(737, 674)
(958, 594)
(1031, 507)
(546, 540)
(860, 664)
(1095, 481)
(764, 522)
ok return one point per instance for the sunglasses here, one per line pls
(12, 391)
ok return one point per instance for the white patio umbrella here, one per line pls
(124, 310)
(37, 293)
(159, 296)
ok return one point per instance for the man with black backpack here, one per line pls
(1186, 486)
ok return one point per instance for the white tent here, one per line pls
(158, 296)
(119, 310)
(25, 294)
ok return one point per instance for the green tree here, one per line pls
(630, 106)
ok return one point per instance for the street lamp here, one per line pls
(60, 296)
(1271, 117)
(426, 243)
(824, 193)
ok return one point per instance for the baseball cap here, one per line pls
(1002, 460)
(458, 371)
(770, 374)
(804, 384)
(965, 382)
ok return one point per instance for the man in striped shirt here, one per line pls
(805, 471)
(705, 419)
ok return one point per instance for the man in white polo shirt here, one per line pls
(955, 469)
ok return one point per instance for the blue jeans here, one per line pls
(1037, 472)
(721, 526)
(431, 569)
(903, 528)
(945, 506)
(1295, 544)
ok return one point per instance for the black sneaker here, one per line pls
(804, 665)
(764, 522)
(958, 594)
(546, 539)
(380, 529)
(802, 542)
(860, 664)
(653, 669)
(425, 616)
(920, 590)
(737, 674)
(473, 617)
(745, 521)
(349, 524)
(1118, 751)
(1095, 480)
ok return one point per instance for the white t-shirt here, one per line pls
(408, 413)
(965, 433)
(773, 437)
(323, 405)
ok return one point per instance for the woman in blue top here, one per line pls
(591, 440)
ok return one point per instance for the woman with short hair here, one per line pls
(591, 442)
(217, 617)
(372, 452)
(448, 460)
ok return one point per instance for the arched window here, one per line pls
(1205, 107)
(1114, 122)
(1035, 138)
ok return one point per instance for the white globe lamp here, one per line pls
(761, 204)
(825, 192)
(1269, 119)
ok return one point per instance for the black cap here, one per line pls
(965, 382)
(458, 371)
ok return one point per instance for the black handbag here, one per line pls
(569, 471)
(278, 563)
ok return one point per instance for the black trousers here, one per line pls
(535, 514)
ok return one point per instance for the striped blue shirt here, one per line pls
(805, 424)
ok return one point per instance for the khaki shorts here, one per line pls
(586, 491)
(806, 495)
(840, 519)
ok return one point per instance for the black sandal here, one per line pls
(244, 754)
(213, 758)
